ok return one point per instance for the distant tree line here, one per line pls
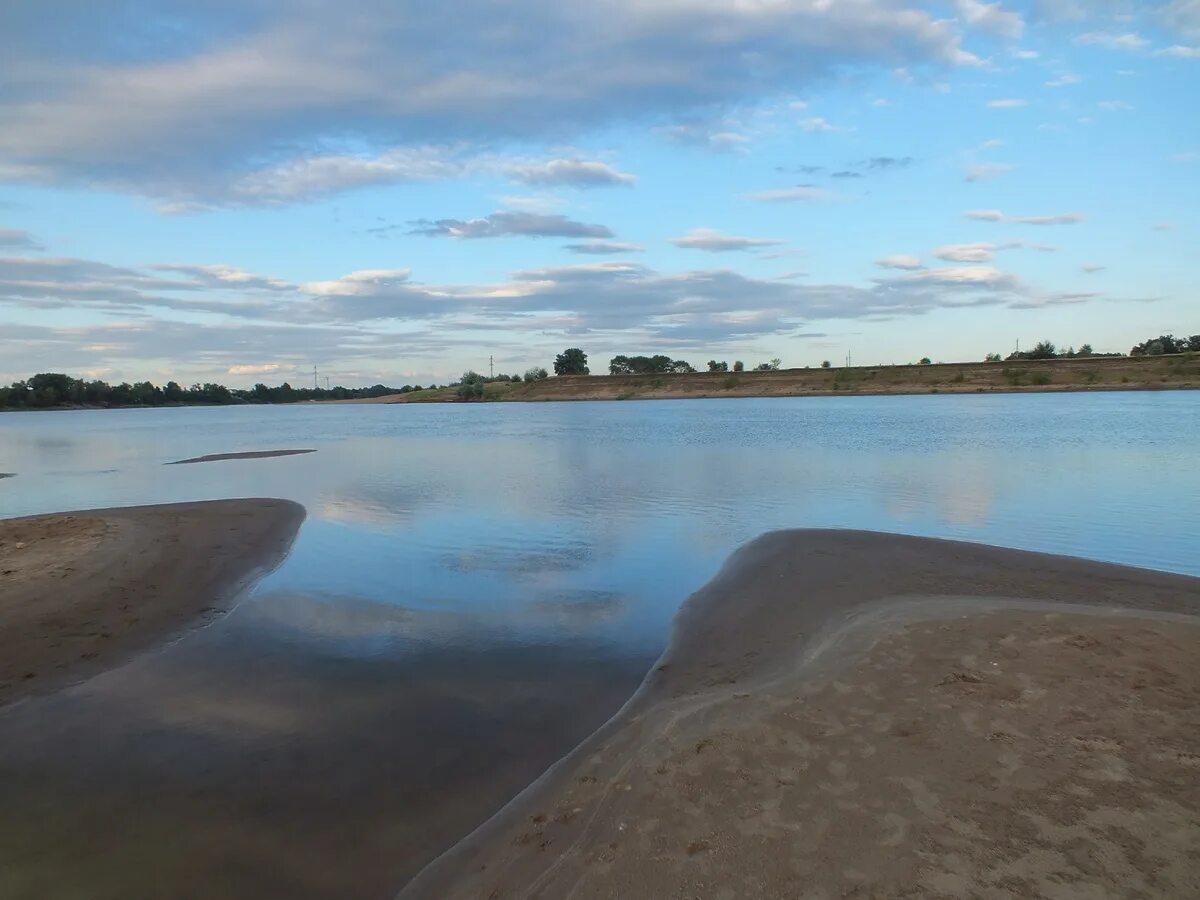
(52, 389)
(470, 386)
(1167, 343)
(1047, 350)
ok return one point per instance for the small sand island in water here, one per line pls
(844, 714)
(251, 454)
(80, 592)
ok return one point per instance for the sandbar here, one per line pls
(846, 713)
(250, 454)
(81, 591)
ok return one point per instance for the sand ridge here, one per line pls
(249, 454)
(81, 591)
(853, 714)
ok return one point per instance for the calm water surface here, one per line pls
(478, 587)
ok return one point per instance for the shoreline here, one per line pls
(82, 591)
(743, 634)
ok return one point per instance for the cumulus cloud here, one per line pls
(714, 241)
(899, 261)
(510, 224)
(1007, 103)
(1067, 78)
(995, 215)
(262, 99)
(992, 18)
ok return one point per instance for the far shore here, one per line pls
(846, 713)
(81, 591)
(1123, 373)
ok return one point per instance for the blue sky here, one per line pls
(238, 191)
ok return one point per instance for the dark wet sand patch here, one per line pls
(81, 591)
(846, 714)
(251, 454)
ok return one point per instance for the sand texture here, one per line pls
(81, 591)
(249, 454)
(846, 714)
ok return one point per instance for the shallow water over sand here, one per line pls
(476, 588)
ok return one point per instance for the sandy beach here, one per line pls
(81, 591)
(855, 714)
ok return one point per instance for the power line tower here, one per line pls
(491, 367)
(315, 378)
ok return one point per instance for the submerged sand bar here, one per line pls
(81, 591)
(855, 714)
(249, 454)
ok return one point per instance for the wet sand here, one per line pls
(854, 714)
(250, 454)
(82, 591)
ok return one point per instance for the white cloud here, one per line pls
(15, 238)
(715, 242)
(1064, 80)
(511, 223)
(799, 194)
(1129, 41)
(1181, 16)
(1007, 103)
(363, 282)
(223, 91)
(995, 215)
(992, 18)
(1092, 268)
(972, 253)
(984, 171)
(1025, 54)
(1115, 105)
(256, 368)
(819, 125)
(603, 248)
(1179, 51)
(899, 261)
(569, 172)
(1189, 156)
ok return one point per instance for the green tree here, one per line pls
(537, 373)
(572, 361)
(992, 357)
(714, 366)
(925, 361)
(739, 366)
(826, 364)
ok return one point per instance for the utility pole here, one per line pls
(326, 382)
(491, 367)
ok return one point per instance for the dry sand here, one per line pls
(845, 714)
(83, 590)
(249, 454)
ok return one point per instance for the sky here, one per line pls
(243, 190)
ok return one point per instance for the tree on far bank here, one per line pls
(537, 373)
(826, 364)
(925, 361)
(739, 366)
(992, 357)
(572, 361)
(714, 366)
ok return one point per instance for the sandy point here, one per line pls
(854, 714)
